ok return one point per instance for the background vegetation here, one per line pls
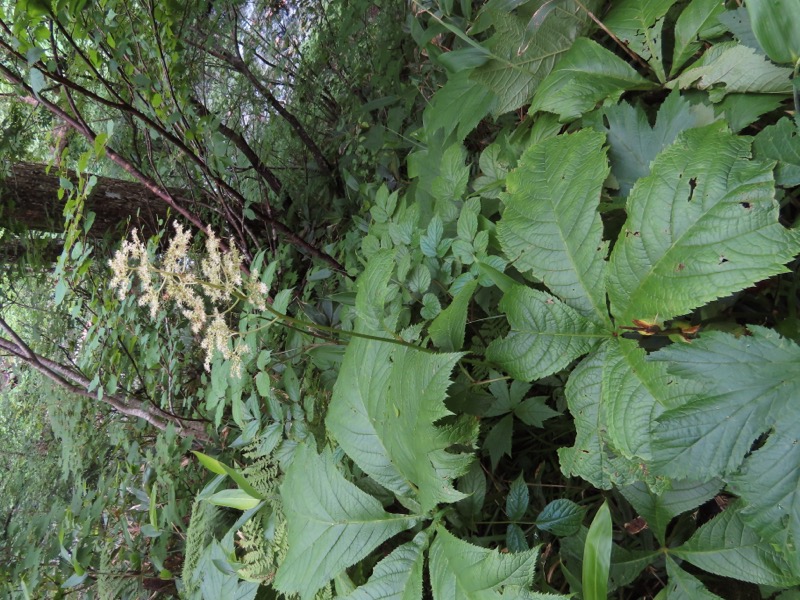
(376, 299)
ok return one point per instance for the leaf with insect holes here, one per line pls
(702, 225)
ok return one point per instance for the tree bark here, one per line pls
(29, 197)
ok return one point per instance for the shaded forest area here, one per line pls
(384, 299)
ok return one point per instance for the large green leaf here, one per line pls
(731, 68)
(727, 546)
(751, 385)
(634, 143)
(590, 457)
(458, 106)
(382, 413)
(546, 335)
(462, 571)
(398, 576)
(659, 509)
(585, 76)
(698, 21)
(638, 24)
(635, 393)
(522, 60)
(702, 225)
(332, 523)
(550, 226)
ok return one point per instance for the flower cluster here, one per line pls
(199, 298)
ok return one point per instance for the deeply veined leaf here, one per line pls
(597, 556)
(702, 225)
(585, 76)
(698, 21)
(546, 335)
(638, 24)
(635, 393)
(590, 457)
(398, 576)
(513, 76)
(750, 386)
(633, 143)
(447, 329)
(659, 509)
(332, 523)
(683, 586)
(727, 546)
(550, 226)
(462, 571)
(458, 106)
(382, 413)
(731, 68)
(373, 287)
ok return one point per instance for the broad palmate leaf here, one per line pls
(550, 226)
(462, 571)
(702, 225)
(384, 406)
(750, 386)
(332, 523)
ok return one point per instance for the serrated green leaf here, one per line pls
(396, 577)
(373, 288)
(447, 330)
(659, 509)
(702, 225)
(546, 335)
(550, 226)
(731, 68)
(420, 279)
(590, 457)
(513, 76)
(635, 393)
(584, 77)
(638, 24)
(332, 524)
(458, 106)
(517, 499)
(726, 546)
(461, 571)
(633, 143)
(597, 556)
(683, 586)
(473, 485)
(429, 241)
(451, 183)
(781, 142)
(384, 404)
(697, 22)
(752, 382)
(467, 225)
(561, 517)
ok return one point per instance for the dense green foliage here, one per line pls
(470, 300)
